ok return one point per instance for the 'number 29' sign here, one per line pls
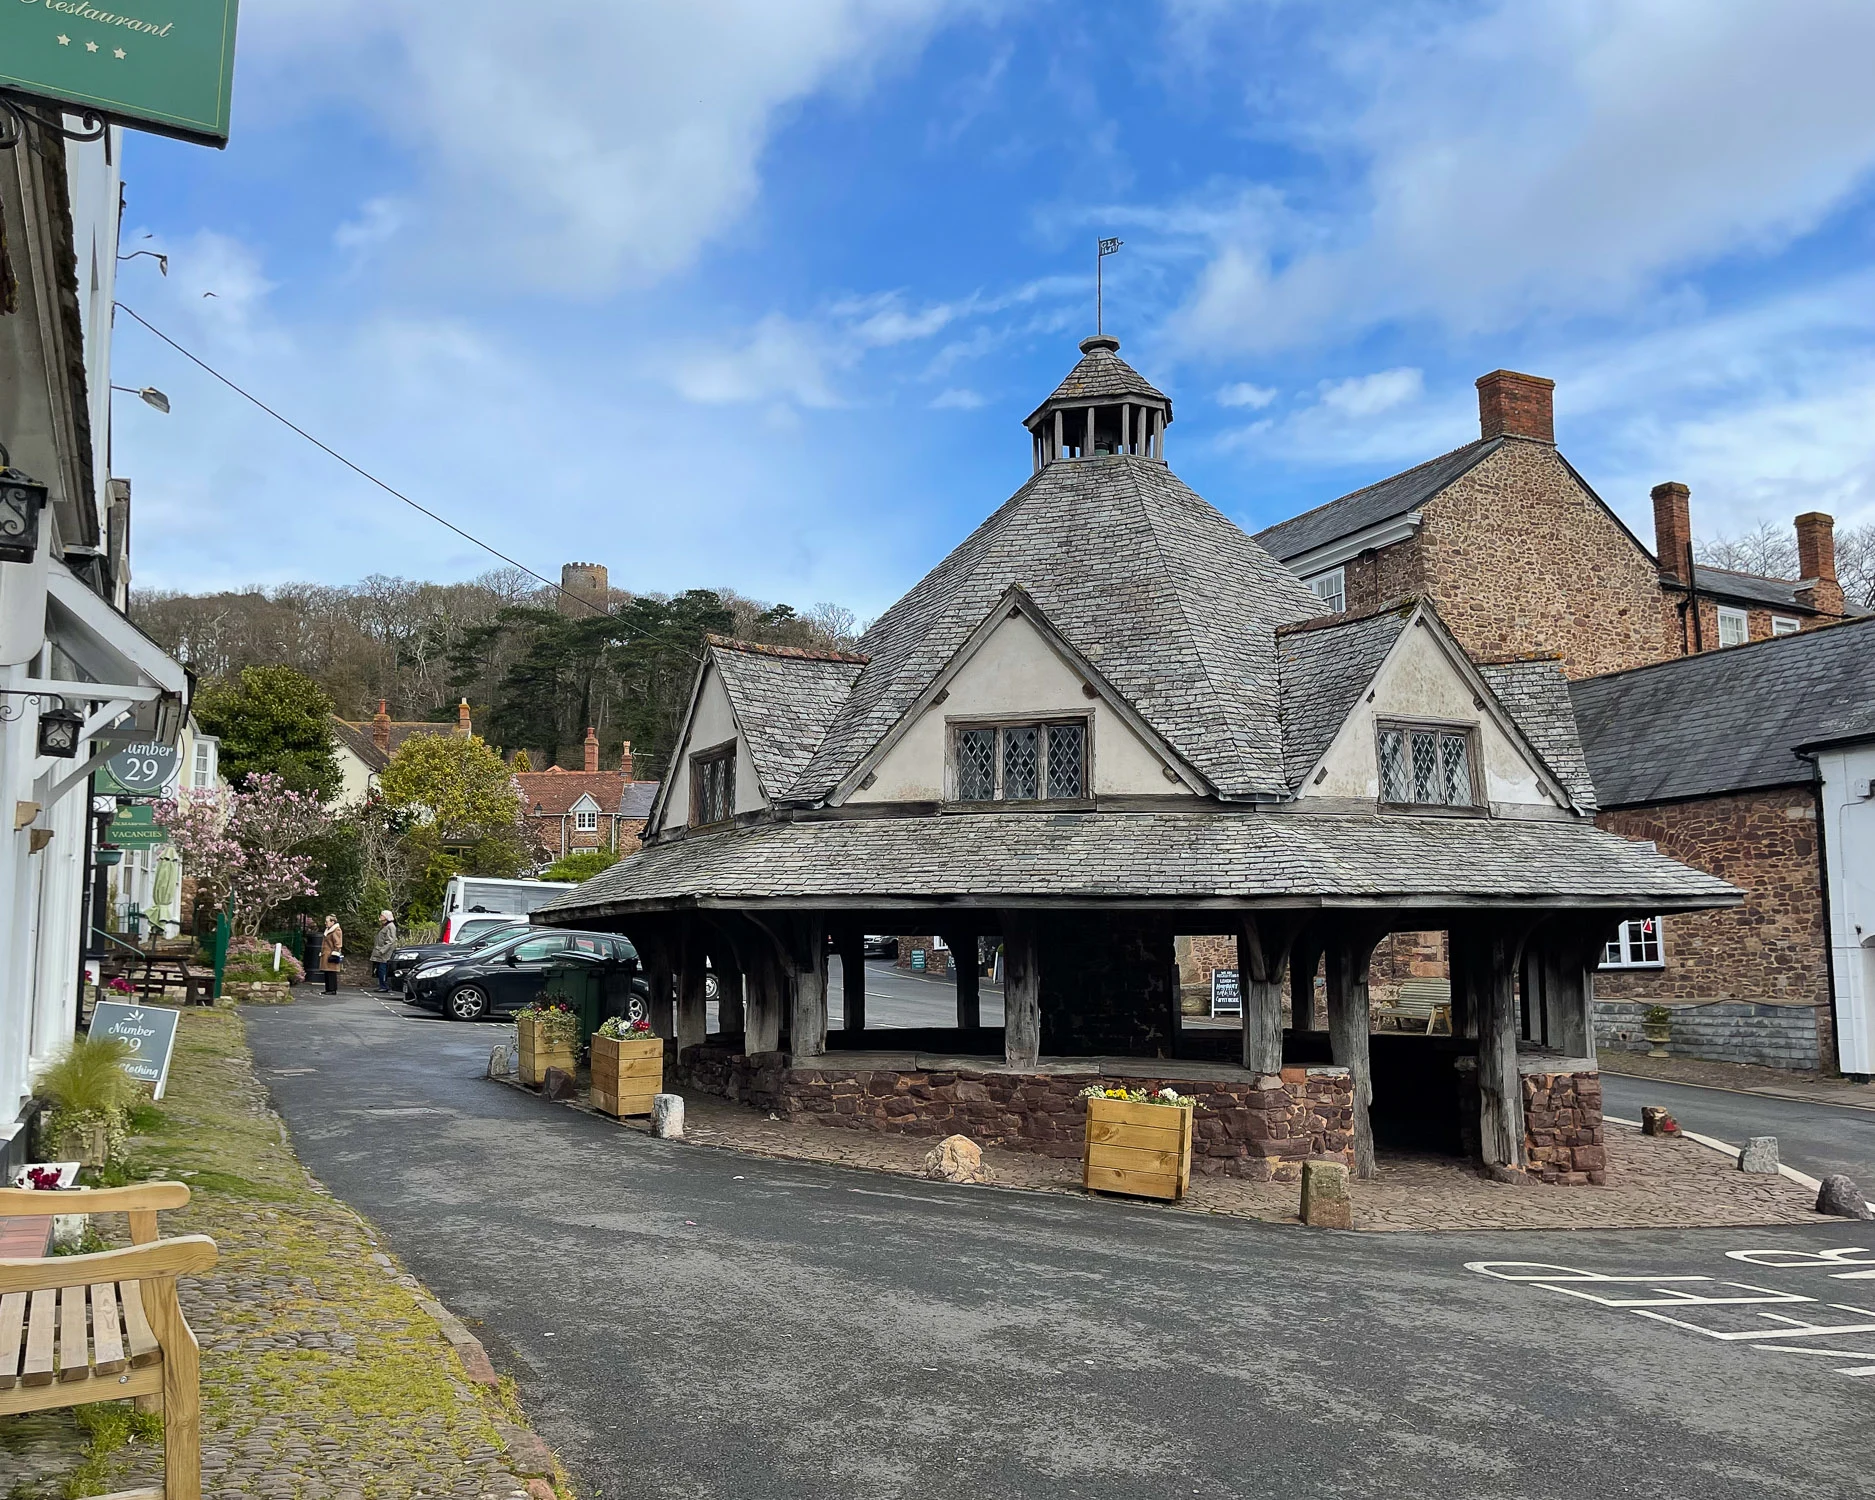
(139, 771)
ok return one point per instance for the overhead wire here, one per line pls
(357, 469)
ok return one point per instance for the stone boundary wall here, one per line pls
(1262, 1129)
(1562, 1128)
(1772, 1036)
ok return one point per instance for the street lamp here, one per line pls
(21, 499)
(150, 394)
(60, 729)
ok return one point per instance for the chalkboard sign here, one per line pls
(150, 1031)
(1226, 998)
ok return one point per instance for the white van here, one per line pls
(476, 895)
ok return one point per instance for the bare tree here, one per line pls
(1771, 552)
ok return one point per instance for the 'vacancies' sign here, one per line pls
(148, 1030)
(161, 65)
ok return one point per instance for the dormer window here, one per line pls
(1427, 765)
(1032, 761)
(713, 785)
(586, 820)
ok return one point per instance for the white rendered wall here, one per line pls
(1016, 673)
(1849, 844)
(1418, 681)
(712, 723)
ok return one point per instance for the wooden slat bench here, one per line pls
(1427, 1000)
(82, 1328)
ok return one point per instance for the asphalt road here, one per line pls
(1813, 1138)
(690, 1322)
(896, 997)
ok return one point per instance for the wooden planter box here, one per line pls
(626, 1074)
(1140, 1149)
(537, 1054)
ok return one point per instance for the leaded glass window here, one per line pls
(1019, 763)
(712, 786)
(976, 765)
(1064, 759)
(1022, 762)
(1425, 767)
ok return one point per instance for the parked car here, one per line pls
(468, 896)
(506, 975)
(475, 932)
(874, 945)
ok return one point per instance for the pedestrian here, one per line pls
(382, 946)
(332, 953)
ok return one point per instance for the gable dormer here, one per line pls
(712, 775)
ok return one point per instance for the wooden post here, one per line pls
(1022, 992)
(1263, 944)
(182, 1406)
(964, 971)
(1158, 435)
(1348, 955)
(731, 984)
(808, 1025)
(1305, 954)
(1488, 956)
(766, 983)
(1126, 426)
(1088, 451)
(692, 1001)
(1060, 432)
(853, 979)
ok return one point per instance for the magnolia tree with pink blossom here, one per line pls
(242, 846)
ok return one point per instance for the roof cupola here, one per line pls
(1104, 406)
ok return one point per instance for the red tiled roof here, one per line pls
(552, 793)
(799, 653)
(357, 736)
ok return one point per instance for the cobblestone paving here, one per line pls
(1652, 1182)
(322, 1377)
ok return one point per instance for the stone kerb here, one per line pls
(1260, 1128)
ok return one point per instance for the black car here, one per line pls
(507, 974)
(476, 932)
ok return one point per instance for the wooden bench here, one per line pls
(81, 1328)
(1427, 1000)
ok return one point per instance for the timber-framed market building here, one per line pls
(1106, 720)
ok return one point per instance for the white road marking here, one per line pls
(1802, 1179)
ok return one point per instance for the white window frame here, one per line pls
(1631, 943)
(1331, 587)
(1784, 625)
(586, 820)
(207, 755)
(1739, 620)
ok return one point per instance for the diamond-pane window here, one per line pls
(1455, 760)
(976, 765)
(1426, 769)
(1394, 783)
(1064, 759)
(1020, 763)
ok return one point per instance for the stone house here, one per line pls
(1741, 762)
(587, 809)
(1106, 720)
(1523, 558)
(364, 747)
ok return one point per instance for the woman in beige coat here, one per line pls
(332, 953)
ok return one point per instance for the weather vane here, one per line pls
(1107, 247)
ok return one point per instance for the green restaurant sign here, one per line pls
(161, 65)
(135, 827)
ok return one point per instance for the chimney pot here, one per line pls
(462, 718)
(592, 748)
(1816, 563)
(625, 760)
(1514, 405)
(381, 728)
(1673, 528)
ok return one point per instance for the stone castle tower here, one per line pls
(586, 583)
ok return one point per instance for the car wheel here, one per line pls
(712, 986)
(638, 1008)
(467, 1002)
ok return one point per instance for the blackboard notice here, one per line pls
(149, 1031)
(1226, 998)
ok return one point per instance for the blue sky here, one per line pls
(745, 293)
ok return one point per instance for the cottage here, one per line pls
(364, 748)
(1106, 720)
(587, 809)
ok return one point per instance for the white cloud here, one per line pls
(379, 221)
(779, 360)
(1369, 395)
(579, 145)
(1242, 393)
(1541, 160)
(956, 399)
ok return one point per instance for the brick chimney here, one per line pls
(625, 760)
(1519, 406)
(592, 749)
(1673, 528)
(381, 728)
(1816, 563)
(462, 718)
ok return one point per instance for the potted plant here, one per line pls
(1657, 1027)
(88, 1097)
(1138, 1141)
(549, 1038)
(627, 1067)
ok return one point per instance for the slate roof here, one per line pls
(784, 698)
(1722, 721)
(1101, 376)
(635, 805)
(1536, 694)
(1325, 667)
(357, 736)
(1173, 604)
(1378, 502)
(1004, 857)
(1731, 585)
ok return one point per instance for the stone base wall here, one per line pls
(1562, 1128)
(1262, 1129)
(1772, 1036)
